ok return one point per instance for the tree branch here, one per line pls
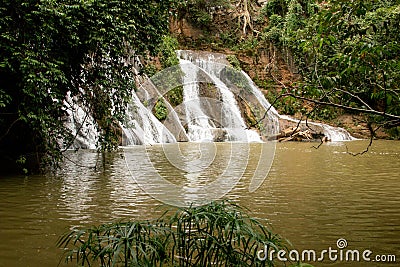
(372, 135)
(361, 110)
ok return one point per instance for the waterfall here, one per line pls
(82, 126)
(233, 120)
(334, 134)
(202, 126)
(142, 127)
(260, 97)
(219, 104)
(272, 118)
(198, 124)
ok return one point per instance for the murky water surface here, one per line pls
(311, 197)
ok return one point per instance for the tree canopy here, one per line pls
(51, 50)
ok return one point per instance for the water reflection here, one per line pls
(181, 174)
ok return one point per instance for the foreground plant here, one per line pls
(217, 234)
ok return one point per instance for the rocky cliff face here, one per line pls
(264, 63)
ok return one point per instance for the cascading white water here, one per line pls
(82, 126)
(233, 121)
(142, 127)
(201, 119)
(260, 96)
(200, 126)
(272, 115)
(334, 134)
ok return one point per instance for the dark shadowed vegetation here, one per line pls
(81, 51)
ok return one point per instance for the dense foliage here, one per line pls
(52, 51)
(200, 12)
(347, 53)
(217, 234)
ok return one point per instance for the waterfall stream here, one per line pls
(334, 134)
(142, 127)
(219, 104)
(201, 126)
(198, 124)
(82, 126)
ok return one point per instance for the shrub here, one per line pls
(217, 234)
(234, 61)
(175, 96)
(160, 110)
